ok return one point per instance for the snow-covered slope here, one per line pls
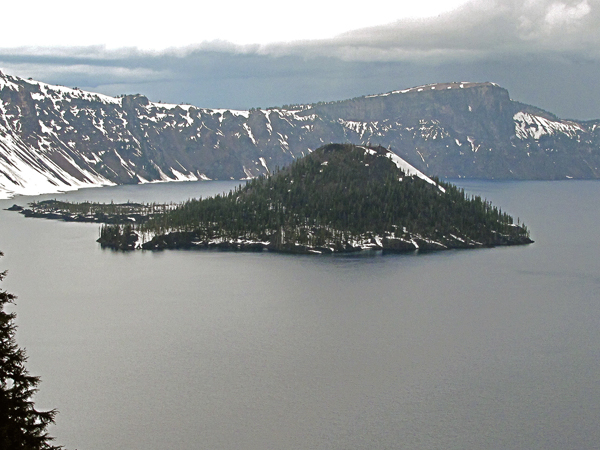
(406, 168)
(531, 126)
(54, 138)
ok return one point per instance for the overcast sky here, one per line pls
(268, 53)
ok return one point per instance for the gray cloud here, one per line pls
(544, 52)
(479, 29)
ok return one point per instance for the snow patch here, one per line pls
(179, 176)
(24, 171)
(410, 170)
(263, 161)
(234, 112)
(531, 126)
(472, 142)
(249, 131)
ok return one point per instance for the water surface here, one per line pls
(482, 349)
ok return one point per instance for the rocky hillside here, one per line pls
(54, 138)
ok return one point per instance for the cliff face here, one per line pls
(473, 130)
(54, 138)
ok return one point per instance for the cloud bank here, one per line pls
(545, 52)
(479, 29)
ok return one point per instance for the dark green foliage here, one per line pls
(22, 427)
(119, 237)
(116, 213)
(339, 193)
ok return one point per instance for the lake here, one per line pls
(474, 349)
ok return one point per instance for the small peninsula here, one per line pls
(339, 198)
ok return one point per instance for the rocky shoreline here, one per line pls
(128, 240)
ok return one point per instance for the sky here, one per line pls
(241, 54)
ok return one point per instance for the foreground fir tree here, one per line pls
(340, 198)
(22, 427)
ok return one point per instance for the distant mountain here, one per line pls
(340, 198)
(54, 138)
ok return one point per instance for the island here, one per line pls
(339, 198)
(92, 212)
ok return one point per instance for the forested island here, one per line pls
(340, 198)
(92, 212)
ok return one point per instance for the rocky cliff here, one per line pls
(54, 138)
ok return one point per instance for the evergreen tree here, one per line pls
(22, 427)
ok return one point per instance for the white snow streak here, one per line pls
(264, 163)
(410, 170)
(530, 126)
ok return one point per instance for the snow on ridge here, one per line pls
(6, 83)
(268, 113)
(55, 91)
(307, 117)
(432, 87)
(268, 117)
(295, 114)
(531, 126)
(235, 112)
(169, 106)
(408, 169)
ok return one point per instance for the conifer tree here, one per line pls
(22, 427)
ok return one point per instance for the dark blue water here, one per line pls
(483, 349)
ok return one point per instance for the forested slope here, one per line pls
(339, 198)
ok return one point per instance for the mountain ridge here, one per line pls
(54, 138)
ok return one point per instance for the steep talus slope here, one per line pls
(54, 138)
